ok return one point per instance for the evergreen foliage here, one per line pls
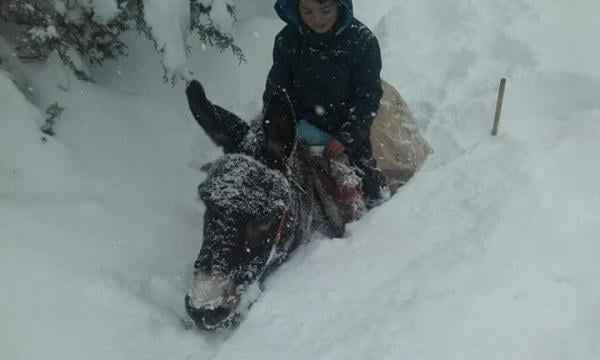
(80, 35)
(210, 33)
(53, 112)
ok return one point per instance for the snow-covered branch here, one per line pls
(90, 31)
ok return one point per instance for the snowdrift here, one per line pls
(489, 252)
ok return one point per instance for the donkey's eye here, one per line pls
(262, 224)
(258, 230)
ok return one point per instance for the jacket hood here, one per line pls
(288, 13)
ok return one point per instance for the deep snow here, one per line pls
(490, 252)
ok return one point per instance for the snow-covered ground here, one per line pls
(490, 252)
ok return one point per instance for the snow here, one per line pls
(60, 6)
(169, 23)
(490, 252)
(104, 10)
(41, 34)
(220, 15)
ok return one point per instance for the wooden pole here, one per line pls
(499, 106)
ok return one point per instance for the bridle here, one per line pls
(278, 235)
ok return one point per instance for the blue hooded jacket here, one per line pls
(333, 79)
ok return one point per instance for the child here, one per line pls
(330, 65)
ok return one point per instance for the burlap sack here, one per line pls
(397, 146)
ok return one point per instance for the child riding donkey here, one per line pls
(269, 193)
(329, 63)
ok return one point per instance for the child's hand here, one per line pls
(333, 149)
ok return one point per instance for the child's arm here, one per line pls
(280, 74)
(367, 95)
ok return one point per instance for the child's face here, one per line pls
(319, 16)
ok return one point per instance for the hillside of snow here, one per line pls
(490, 252)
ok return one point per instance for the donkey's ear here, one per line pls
(279, 124)
(224, 128)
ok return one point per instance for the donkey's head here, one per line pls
(247, 203)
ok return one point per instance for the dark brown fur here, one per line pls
(267, 189)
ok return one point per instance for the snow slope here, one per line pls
(489, 253)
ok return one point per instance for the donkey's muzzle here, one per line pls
(209, 318)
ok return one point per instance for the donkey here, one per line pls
(265, 196)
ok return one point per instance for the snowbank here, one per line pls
(492, 255)
(84, 218)
(490, 252)
(26, 154)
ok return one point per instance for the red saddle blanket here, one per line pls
(341, 189)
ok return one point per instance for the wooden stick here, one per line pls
(499, 106)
